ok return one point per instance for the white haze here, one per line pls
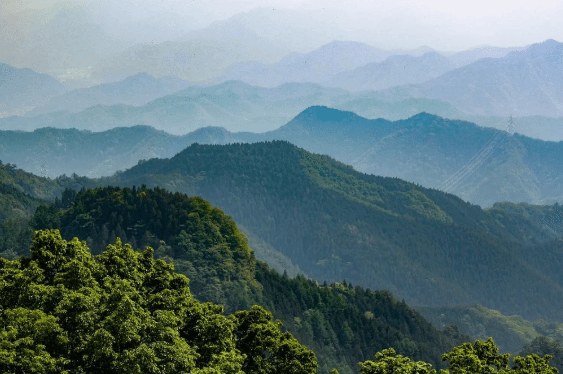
(65, 38)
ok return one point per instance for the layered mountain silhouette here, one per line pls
(481, 165)
(394, 71)
(135, 90)
(23, 89)
(315, 66)
(522, 83)
(427, 247)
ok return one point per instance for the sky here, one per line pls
(442, 25)
(69, 38)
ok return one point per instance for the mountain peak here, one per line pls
(325, 114)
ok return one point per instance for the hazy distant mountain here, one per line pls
(135, 90)
(523, 83)
(198, 56)
(469, 56)
(394, 71)
(233, 105)
(22, 89)
(314, 66)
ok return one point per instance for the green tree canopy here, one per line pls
(63, 310)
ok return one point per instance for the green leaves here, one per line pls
(267, 349)
(481, 357)
(66, 311)
(389, 362)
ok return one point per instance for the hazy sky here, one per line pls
(443, 25)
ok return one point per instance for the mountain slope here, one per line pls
(233, 105)
(334, 223)
(481, 165)
(315, 66)
(22, 89)
(342, 324)
(511, 333)
(135, 90)
(523, 83)
(394, 71)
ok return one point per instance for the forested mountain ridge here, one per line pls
(341, 323)
(511, 332)
(336, 223)
(481, 165)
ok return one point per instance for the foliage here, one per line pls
(64, 310)
(341, 323)
(335, 223)
(481, 357)
(511, 333)
(388, 362)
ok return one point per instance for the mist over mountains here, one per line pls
(481, 165)
(287, 156)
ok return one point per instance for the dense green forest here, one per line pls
(63, 310)
(423, 245)
(320, 182)
(511, 332)
(341, 323)
(20, 195)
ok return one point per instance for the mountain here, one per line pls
(394, 71)
(469, 56)
(136, 90)
(23, 89)
(511, 333)
(21, 193)
(481, 165)
(196, 57)
(52, 152)
(313, 67)
(523, 83)
(425, 246)
(341, 323)
(233, 105)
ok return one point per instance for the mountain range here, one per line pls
(522, 83)
(481, 165)
(23, 89)
(135, 90)
(425, 246)
(341, 323)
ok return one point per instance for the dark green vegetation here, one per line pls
(481, 357)
(425, 246)
(63, 310)
(511, 333)
(341, 323)
(20, 195)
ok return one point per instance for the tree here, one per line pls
(484, 357)
(389, 362)
(64, 310)
(268, 349)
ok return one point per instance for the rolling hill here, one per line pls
(341, 323)
(425, 246)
